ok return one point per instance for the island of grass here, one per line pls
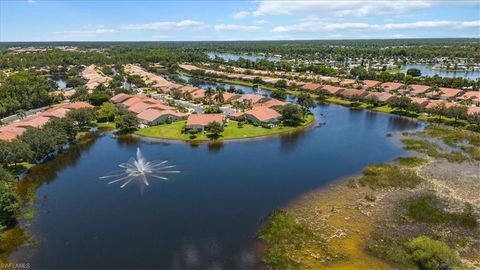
(232, 131)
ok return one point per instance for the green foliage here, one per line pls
(385, 175)
(106, 112)
(414, 72)
(432, 254)
(279, 94)
(411, 161)
(98, 98)
(24, 90)
(126, 122)
(370, 197)
(428, 208)
(14, 152)
(214, 129)
(392, 251)
(291, 115)
(8, 201)
(82, 117)
(283, 232)
(212, 109)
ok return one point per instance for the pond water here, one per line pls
(234, 57)
(207, 215)
(428, 71)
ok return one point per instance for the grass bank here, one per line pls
(232, 131)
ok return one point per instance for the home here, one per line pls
(154, 116)
(421, 101)
(473, 110)
(474, 96)
(349, 93)
(200, 121)
(272, 103)
(254, 98)
(311, 87)
(417, 89)
(445, 93)
(391, 86)
(381, 96)
(332, 90)
(347, 82)
(262, 115)
(367, 84)
(198, 94)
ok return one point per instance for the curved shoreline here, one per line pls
(301, 128)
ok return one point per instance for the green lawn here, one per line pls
(231, 131)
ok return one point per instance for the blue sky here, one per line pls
(42, 20)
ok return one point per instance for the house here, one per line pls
(254, 98)
(417, 89)
(349, 93)
(381, 96)
(228, 97)
(370, 84)
(332, 90)
(473, 110)
(446, 93)
(435, 103)
(131, 101)
(391, 86)
(154, 116)
(198, 94)
(474, 96)
(119, 98)
(35, 122)
(77, 105)
(10, 132)
(56, 112)
(139, 107)
(272, 103)
(262, 115)
(421, 101)
(311, 87)
(200, 121)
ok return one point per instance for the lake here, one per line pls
(206, 216)
(428, 71)
(235, 57)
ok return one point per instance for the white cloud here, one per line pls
(165, 26)
(262, 22)
(337, 8)
(318, 26)
(236, 27)
(87, 32)
(241, 14)
(400, 36)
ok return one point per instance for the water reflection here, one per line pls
(396, 123)
(215, 147)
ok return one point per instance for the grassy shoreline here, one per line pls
(231, 132)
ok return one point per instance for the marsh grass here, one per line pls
(429, 209)
(410, 161)
(387, 175)
(432, 150)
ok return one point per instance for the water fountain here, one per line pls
(140, 169)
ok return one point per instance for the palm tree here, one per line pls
(219, 97)
(208, 94)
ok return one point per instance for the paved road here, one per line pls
(14, 117)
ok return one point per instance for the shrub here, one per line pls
(370, 197)
(432, 254)
(411, 161)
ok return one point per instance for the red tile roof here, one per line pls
(332, 89)
(271, 103)
(473, 110)
(58, 112)
(36, 122)
(418, 89)
(370, 83)
(204, 119)
(349, 92)
(475, 95)
(119, 98)
(264, 114)
(381, 96)
(449, 92)
(77, 105)
(311, 87)
(421, 101)
(252, 97)
(152, 114)
(391, 86)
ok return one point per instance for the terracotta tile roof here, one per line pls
(204, 119)
(311, 87)
(418, 89)
(131, 101)
(270, 103)
(434, 103)
(263, 114)
(8, 133)
(119, 98)
(370, 83)
(58, 112)
(139, 107)
(252, 97)
(475, 95)
(199, 93)
(391, 86)
(332, 89)
(449, 92)
(188, 67)
(36, 122)
(473, 110)
(381, 96)
(152, 114)
(228, 96)
(77, 105)
(421, 101)
(348, 93)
